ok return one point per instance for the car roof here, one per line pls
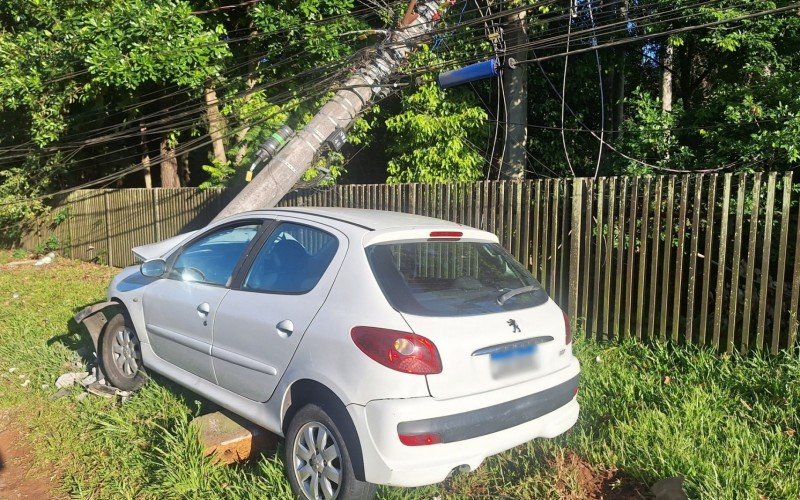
(371, 220)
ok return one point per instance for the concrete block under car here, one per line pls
(231, 438)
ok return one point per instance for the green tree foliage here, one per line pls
(132, 43)
(433, 138)
(91, 88)
(733, 106)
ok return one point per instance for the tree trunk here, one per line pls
(666, 77)
(216, 123)
(619, 89)
(685, 76)
(184, 168)
(148, 177)
(515, 86)
(169, 165)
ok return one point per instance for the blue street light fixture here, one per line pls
(477, 71)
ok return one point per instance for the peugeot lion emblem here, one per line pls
(513, 324)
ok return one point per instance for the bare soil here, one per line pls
(577, 479)
(18, 476)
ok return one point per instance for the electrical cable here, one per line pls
(120, 133)
(183, 90)
(187, 147)
(564, 93)
(231, 40)
(602, 97)
(705, 25)
(323, 89)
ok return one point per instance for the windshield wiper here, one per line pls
(517, 291)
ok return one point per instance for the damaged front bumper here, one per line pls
(94, 318)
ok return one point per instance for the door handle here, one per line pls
(285, 328)
(203, 309)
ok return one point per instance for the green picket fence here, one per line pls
(710, 259)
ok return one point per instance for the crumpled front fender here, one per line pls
(95, 317)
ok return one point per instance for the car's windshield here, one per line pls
(452, 278)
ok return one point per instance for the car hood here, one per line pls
(161, 248)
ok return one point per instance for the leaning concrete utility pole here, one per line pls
(287, 167)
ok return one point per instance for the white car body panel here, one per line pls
(377, 398)
(399, 465)
(458, 339)
(159, 249)
(247, 322)
(177, 331)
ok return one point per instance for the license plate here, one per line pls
(510, 362)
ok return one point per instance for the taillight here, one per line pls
(401, 351)
(567, 329)
(420, 439)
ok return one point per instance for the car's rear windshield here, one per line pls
(452, 278)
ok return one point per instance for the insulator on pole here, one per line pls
(477, 71)
(269, 148)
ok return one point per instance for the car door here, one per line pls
(179, 308)
(261, 320)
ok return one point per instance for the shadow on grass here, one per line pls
(76, 339)
(570, 475)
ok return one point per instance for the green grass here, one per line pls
(730, 425)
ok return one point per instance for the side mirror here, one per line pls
(154, 268)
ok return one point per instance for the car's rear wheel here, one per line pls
(121, 354)
(318, 461)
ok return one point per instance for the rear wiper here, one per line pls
(517, 291)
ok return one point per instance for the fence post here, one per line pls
(575, 251)
(69, 200)
(156, 216)
(107, 216)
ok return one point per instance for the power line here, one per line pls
(636, 39)
(256, 58)
(671, 32)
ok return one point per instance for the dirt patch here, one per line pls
(577, 479)
(18, 477)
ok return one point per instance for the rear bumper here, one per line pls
(472, 427)
(477, 423)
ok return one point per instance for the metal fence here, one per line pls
(709, 259)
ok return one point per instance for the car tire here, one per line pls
(121, 354)
(316, 456)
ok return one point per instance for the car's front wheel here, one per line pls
(121, 354)
(317, 459)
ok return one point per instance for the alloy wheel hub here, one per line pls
(317, 462)
(125, 352)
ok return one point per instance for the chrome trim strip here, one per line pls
(517, 344)
(179, 338)
(243, 361)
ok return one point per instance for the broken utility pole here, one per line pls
(287, 167)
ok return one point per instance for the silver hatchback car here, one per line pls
(385, 348)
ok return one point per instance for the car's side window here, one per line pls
(212, 258)
(292, 260)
